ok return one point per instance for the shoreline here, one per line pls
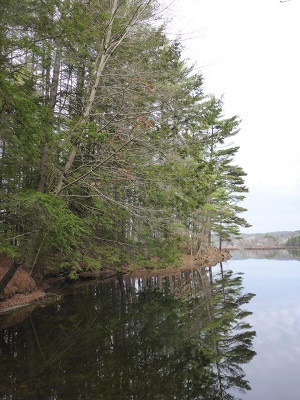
(41, 292)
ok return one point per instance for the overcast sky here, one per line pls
(249, 52)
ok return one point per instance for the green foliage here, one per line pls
(159, 252)
(45, 224)
(169, 250)
(71, 269)
(51, 213)
(293, 241)
(92, 261)
(106, 139)
(113, 256)
(8, 249)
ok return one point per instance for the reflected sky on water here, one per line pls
(274, 372)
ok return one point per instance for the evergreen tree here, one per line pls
(109, 149)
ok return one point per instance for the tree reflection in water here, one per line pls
(178, 336)
(294, 253)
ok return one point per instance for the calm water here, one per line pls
(180, 336)
(274, 372)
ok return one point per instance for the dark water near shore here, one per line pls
(177, 336)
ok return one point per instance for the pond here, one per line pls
(195, 334)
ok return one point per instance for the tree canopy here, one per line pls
(110, 151)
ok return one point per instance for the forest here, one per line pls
(111, 152)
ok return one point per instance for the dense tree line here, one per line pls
(293, 241)
(110, 152)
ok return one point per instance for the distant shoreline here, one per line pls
(263, 248)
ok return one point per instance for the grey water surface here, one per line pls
(195, 334)
(274, 373)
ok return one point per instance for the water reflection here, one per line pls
(178, 336)
(270, 254)
(294, 253)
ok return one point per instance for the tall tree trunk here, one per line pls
(109, 45)
(103, 57)
(51, 104)
(2, 158)
(204, 240)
